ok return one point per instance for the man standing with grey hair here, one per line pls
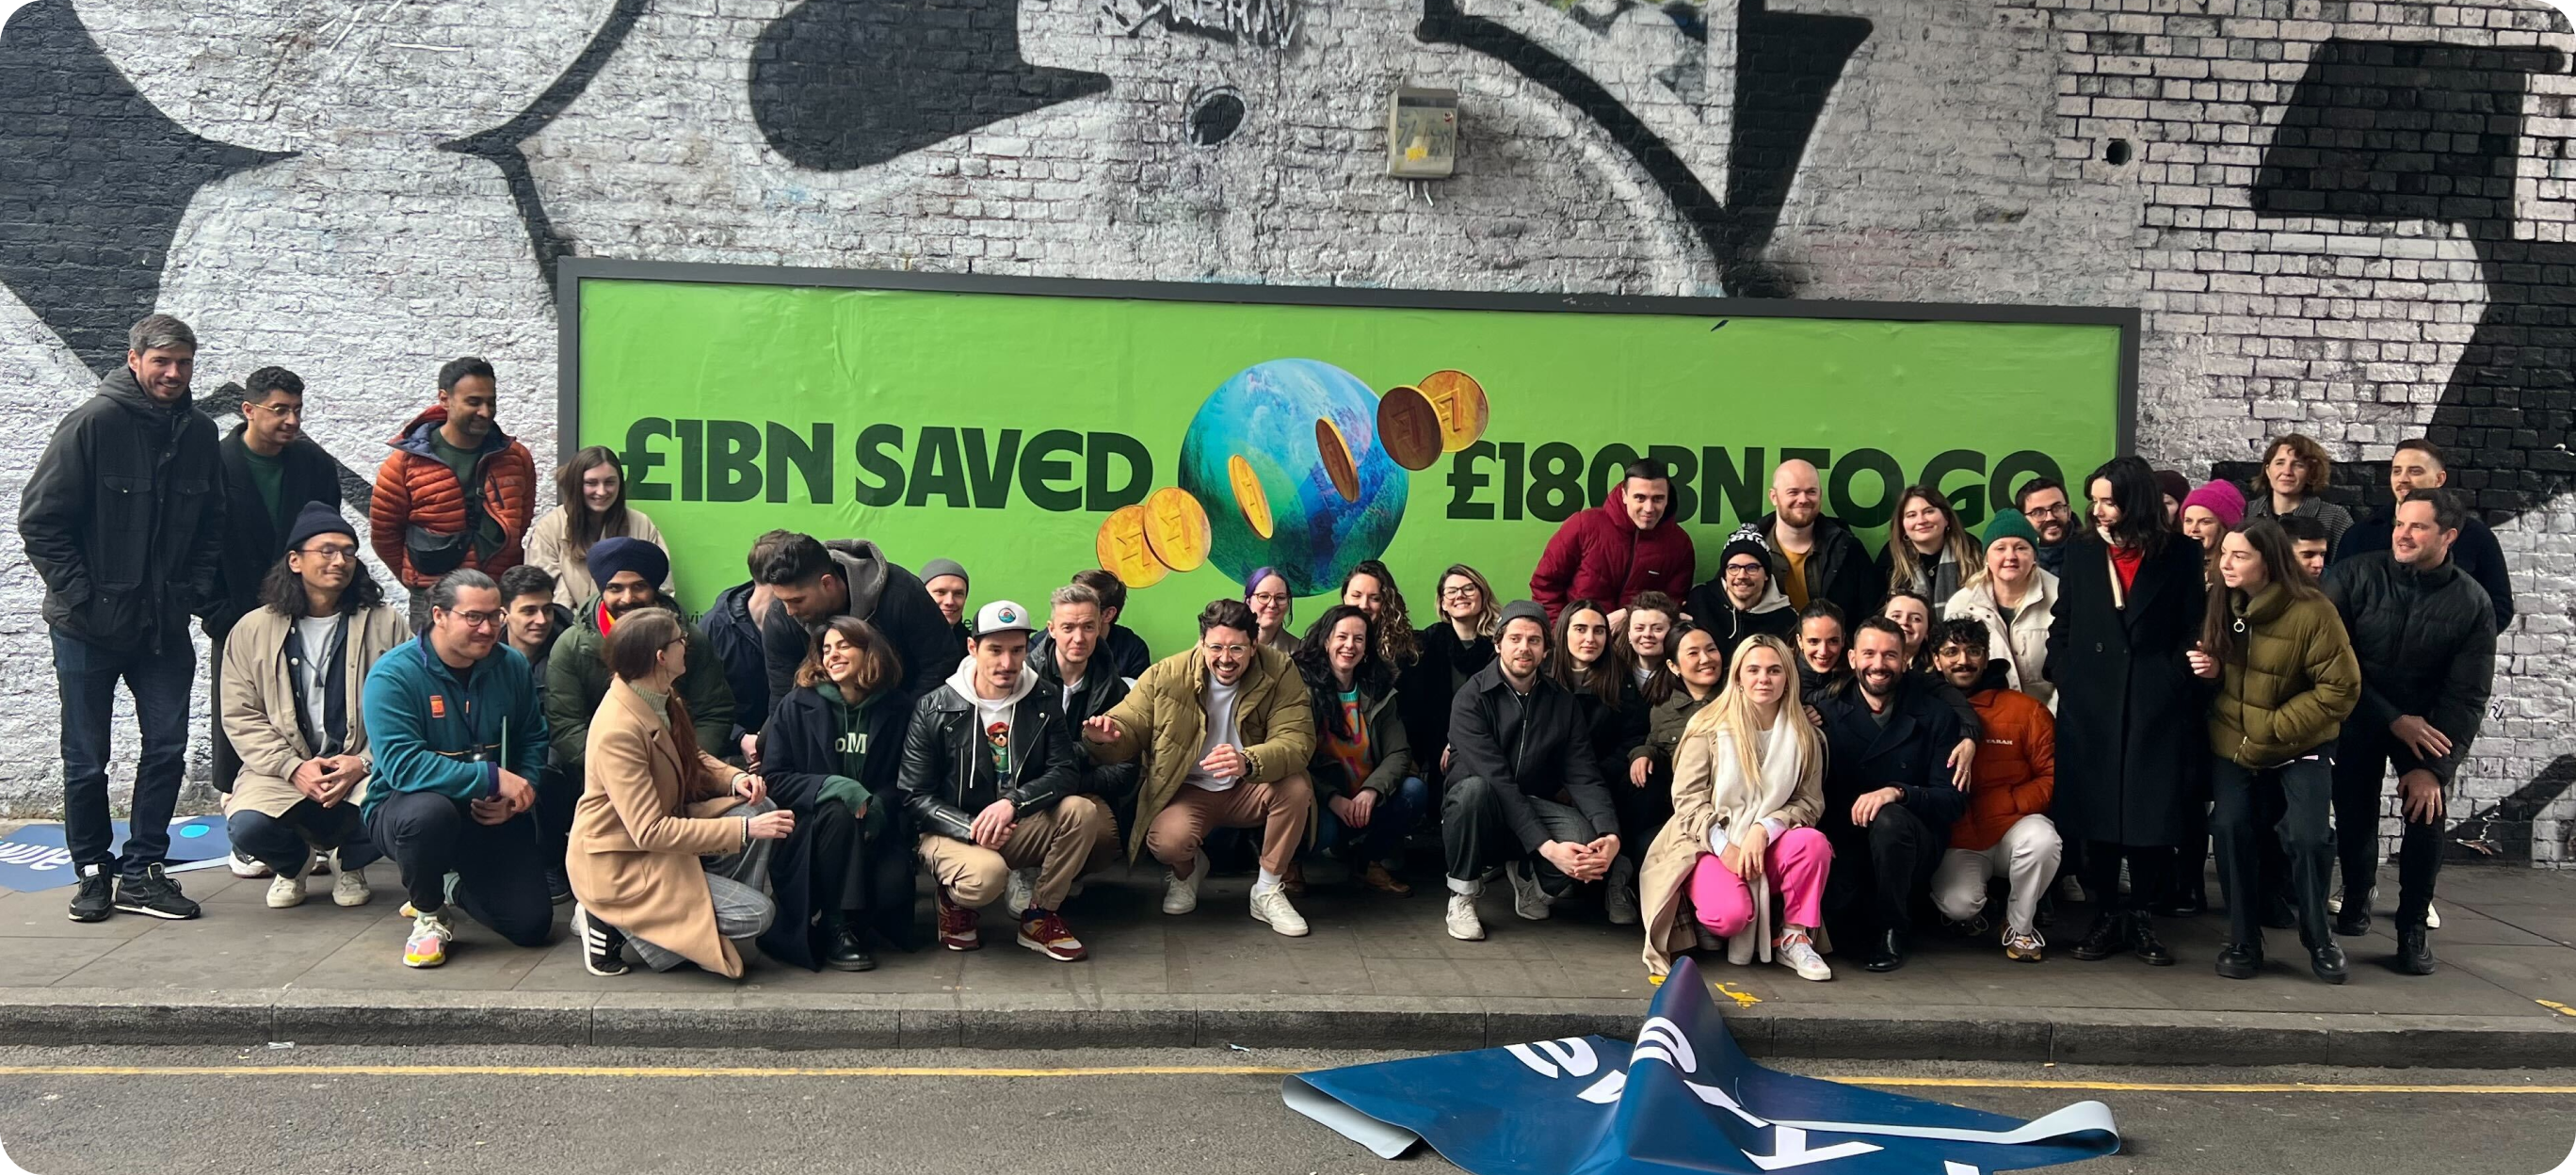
(123, 519)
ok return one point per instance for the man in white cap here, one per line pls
(990, 770)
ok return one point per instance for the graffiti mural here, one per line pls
(1267, 23)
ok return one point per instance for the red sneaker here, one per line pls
(957, 925)
(1042, 931)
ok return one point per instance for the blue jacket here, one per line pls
(425, 724)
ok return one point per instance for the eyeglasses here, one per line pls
(278, 410)
(1461, 592)
(1227, 650)
(1268, 598)
(331, 554)
(1746, 569)
(477, 619)
(2048, 511)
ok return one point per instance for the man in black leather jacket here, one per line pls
(989, 774)
(2425, 633)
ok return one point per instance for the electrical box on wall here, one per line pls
(1421, 133)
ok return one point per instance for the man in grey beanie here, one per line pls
(945, 579)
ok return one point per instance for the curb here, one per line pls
(103, 1016)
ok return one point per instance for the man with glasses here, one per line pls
(458, 737)
(271, 470)
(1743, 602)
(289, 694)
(2043, 501)
(1224, 730)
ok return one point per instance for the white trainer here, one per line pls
(285, 892)
(1181, 894)
(1463, 923)
(245, 867)
(1798, 954)
(1270, 905)
(1021, 891)
(349, 886)
(1528, 900)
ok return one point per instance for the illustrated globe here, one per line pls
(1284, 455)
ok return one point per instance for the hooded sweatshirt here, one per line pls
(1712, 609)
(1600, 555)
(993, 715)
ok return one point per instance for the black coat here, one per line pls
(2426, 641)
(1120, 649)
(1537, 745)
(797, 757)
(1428, 686)
(947, 776)
(122, 522)
(1839, 569)
(1100, 692)
(736, 637)
(2130, 758)
(2475, 552)
(252, 541)
(885, 595)
(1910, 753)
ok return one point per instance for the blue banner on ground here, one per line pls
(34, 857)
(1682, 1098)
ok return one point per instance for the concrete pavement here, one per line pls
(1375, 973)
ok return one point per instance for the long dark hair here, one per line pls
(1395, 636)
(879, 664)
(2140, 500)
(581, 527)
(1606, 676)
(1372, 677)
(282, 590)
(2221, 634)
(632, 650)
(1664, 684)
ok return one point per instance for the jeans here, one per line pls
(2306, 788)
(1878, 871)
(1476, 838)
(2362, 758)
(2026, 855)
(558, 791)
(227, 761)
(1389, 823)
(286, 843)
(501, 878)
(743, 912)
(85, 675)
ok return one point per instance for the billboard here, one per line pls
(1183, 435)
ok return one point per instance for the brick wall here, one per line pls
(2343, 218)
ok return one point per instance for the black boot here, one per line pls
(2355, 919)
(2142, 940)
(2103, 940)
(844, 947)
(2327, 961)
(1891, 952)
(2414, 952)
(2239, 960)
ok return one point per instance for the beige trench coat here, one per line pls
(644, 819)
(257, 703)
(1710, 791)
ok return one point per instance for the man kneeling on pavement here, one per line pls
(989, 771)
(2006, 829)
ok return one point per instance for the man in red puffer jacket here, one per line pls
(456, 491)
(1630, 544)
(2007, 829)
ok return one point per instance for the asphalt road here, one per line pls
(1038, 1113)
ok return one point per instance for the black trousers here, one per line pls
(558, 791)
(1879, 871)
(2362, 757)
(1476, 838)
(2287, 805)
(286, 843)
(501, 879)
(1642, 810)
(2151, 871)
(859, 871)
(227, 761)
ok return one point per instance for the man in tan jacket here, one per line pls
(1225, 731)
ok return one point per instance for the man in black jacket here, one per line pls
(1888, 799)
(1743, 601)
(123, 522)
(989, 773)
(810, 582)
(270, 471)
(1525, 789)
(732, 625)
(2419, 464)
(2425, 634)
(1814, 556)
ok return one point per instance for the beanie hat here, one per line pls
(318, 518)
(2173, 485)
(1745, 541)
(1521, 610)
(2011, 524)
(2221, 498)
(939, 567)
(610, 556)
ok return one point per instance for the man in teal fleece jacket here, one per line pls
(458, 732)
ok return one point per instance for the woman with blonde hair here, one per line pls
(590, 495)
(1748, 784)
(1928, 552)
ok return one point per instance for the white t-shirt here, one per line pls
(312, 676)
(1218, 700)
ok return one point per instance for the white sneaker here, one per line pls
(427, 946)
(1620, 903)
(2432, 917)
(285, 892)
(1463, 923)
(1270, 904)
(245, 867)
(1181, 895)
(1021, 891)
(349, 886)
(1528, 900)
(1798, 954)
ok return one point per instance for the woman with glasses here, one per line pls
(2295, 471)
(591, 492)
(1272, 608)
(1454, 648)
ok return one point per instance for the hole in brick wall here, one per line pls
(2116, 152)
(1215, 116)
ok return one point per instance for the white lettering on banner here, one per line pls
(1789, 1149)
(1662, 1040)
(1573, 1053)
(35, 856)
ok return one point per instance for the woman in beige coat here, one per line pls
(1748, 784)
(669, 843)
(591, 490)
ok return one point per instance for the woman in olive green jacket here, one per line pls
(2287, 680)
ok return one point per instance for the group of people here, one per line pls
(1814, 746)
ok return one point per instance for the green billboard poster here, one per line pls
(1183, 435)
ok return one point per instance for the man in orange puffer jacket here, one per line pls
(2007, 827)
(456, 491)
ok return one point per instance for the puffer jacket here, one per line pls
(124, 521)
(1163, 720)
(2426, 642)
(2296, 683)
(2016, 769)
(415, 488)
(1599, 555)
(947, 776)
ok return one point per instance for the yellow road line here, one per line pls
(670, 1071)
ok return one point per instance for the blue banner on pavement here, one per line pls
(1681, 1098)
(34, 857)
